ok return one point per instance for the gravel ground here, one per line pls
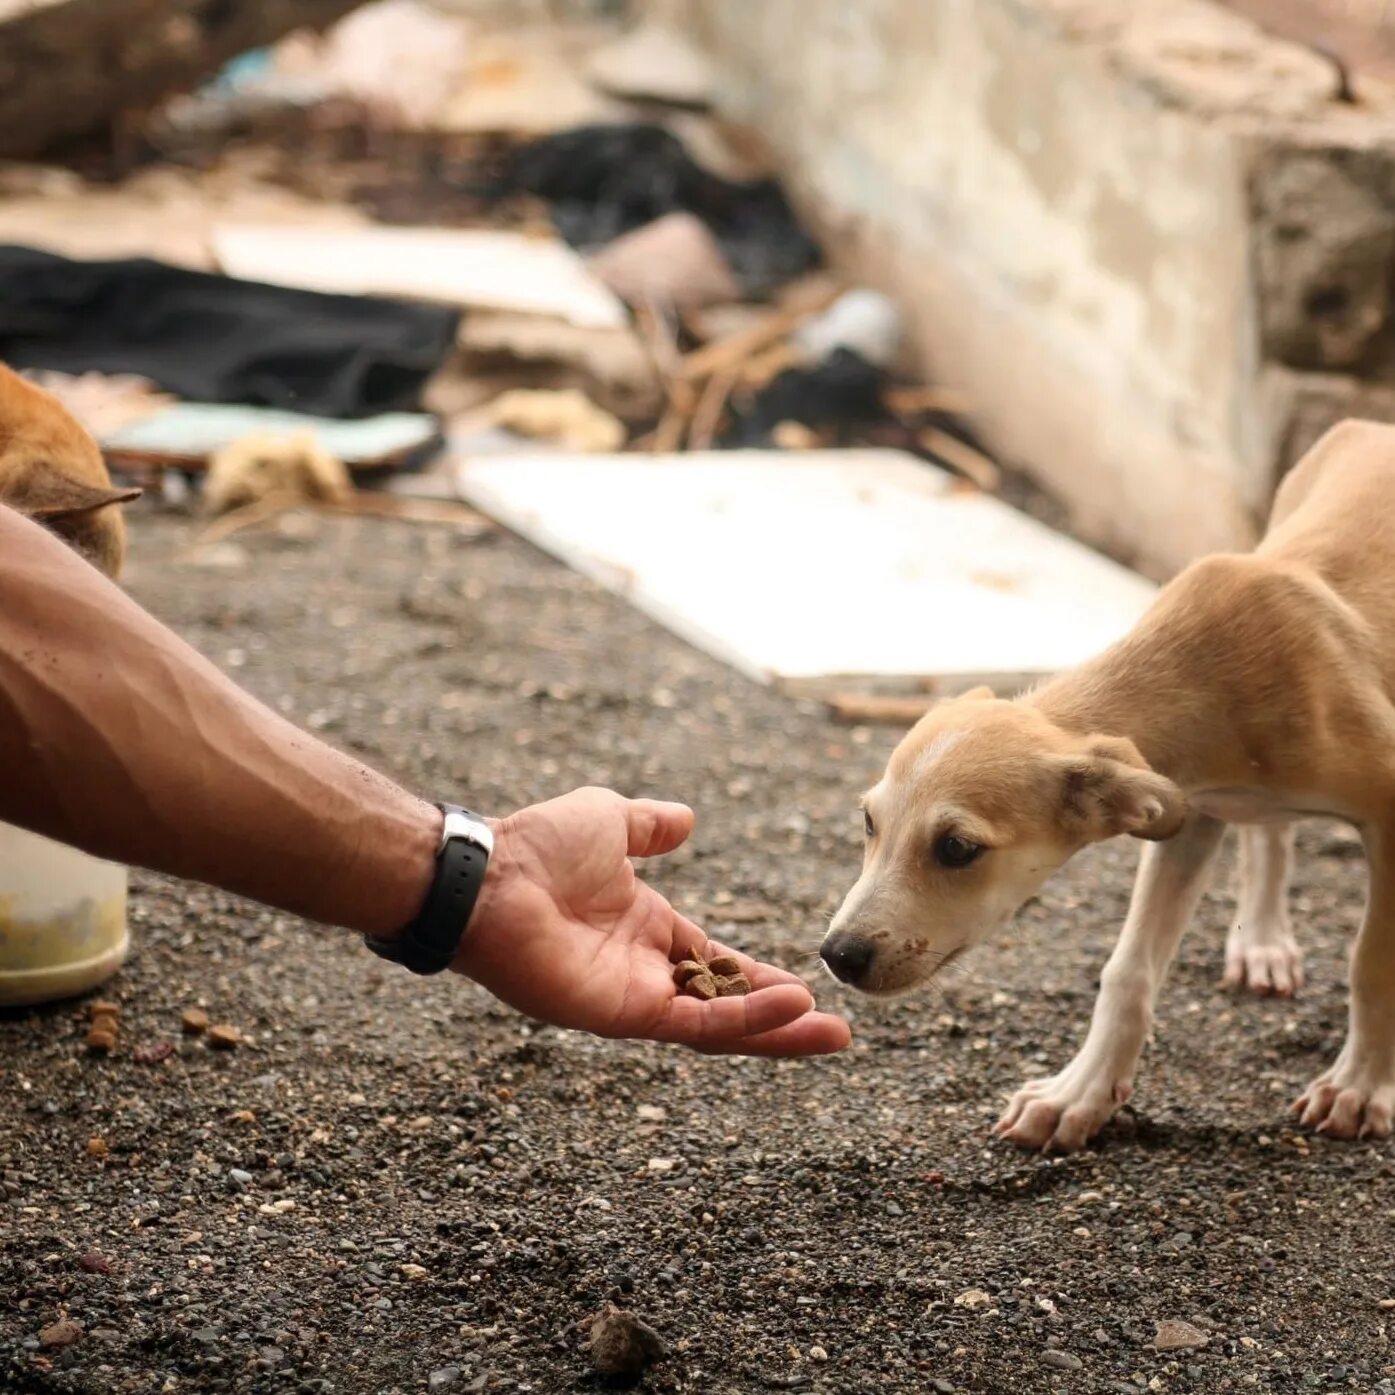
(395, 1185)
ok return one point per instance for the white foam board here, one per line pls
(798, 567)
(469, 267)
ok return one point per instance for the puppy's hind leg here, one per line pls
(1356, 1097)
(1260, 951)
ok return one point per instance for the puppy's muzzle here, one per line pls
(849, 956)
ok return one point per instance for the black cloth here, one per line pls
(605, 180)
(209, 338)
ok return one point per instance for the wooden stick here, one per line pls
(911, 401)
(971, 463)
(707, 419)
(736, 348)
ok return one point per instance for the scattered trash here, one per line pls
(621, 1344)
(868, 323)
(604, 181)
(186, 434)
(210, 338)
(673, 261)
(653, 63)
(249, 470)
(404, 60)
(460, 267)
(567, 419)
(527, 82)
(840, 396)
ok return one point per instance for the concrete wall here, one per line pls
(1147, 238)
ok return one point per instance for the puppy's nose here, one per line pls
(848, 956)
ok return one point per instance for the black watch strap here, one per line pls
(429, 943)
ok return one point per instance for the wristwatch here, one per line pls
(429, 943)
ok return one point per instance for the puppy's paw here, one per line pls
(1269, 965)
(1346, 1102)
(1063, 1113)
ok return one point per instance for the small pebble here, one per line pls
(1062, 1361)
(152, 1052)
(193, 1021)
(444, 1378)
(1174, 1335)
(223, 1037)
(817, 1354)
(94, 1263)
(97, 1147)
(62, 1333)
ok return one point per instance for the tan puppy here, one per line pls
(53, 471)
(1258, 689)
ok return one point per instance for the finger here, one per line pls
(814, 1034)
(656, 827)
(718, 1022)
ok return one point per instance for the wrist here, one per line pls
(405, 875)
(486, 914)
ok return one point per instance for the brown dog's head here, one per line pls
(980, 803)
(52, 471)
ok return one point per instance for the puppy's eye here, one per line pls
(954, 851)
(867, 825)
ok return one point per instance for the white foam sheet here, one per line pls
(799, 567)
(470, 267)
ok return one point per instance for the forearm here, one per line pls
(117, 737)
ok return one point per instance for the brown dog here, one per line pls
(53, 471)
(1257, 690)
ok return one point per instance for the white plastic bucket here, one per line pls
(62, 919)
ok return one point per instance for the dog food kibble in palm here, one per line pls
(721, 978)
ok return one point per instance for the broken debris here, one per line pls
(673, 261)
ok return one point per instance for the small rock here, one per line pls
(444, 1378)
(241, 1177)
(97, 1148)
(623, 1345)
(651, 1113)
(224, 1037)
(415, 1272)
(1174, 1335)
(193, 1021)
(817, 1354)
(153, 1052)
(972, 1298)
(62, 1333)
(94, 1263)
(1062, 1361)
(662, 1164)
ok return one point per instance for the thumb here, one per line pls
(656, 827)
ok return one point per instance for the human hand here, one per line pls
(565, 932)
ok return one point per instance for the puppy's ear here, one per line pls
(1111, 789)
(49, 496)
(983, 693)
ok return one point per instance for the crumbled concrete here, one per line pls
(1107, 223)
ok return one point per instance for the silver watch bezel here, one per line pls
(461, 824)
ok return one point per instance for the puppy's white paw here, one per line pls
(1348, 1102)
(1065, 1112)
(1268, 964)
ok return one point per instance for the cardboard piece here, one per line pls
(811, 570)
(471, 267)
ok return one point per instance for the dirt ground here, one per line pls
(397, 1185)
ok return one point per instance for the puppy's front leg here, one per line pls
(1070, 1108)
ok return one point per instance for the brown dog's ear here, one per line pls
(1111, 790)
(50, 496)
(983, 693)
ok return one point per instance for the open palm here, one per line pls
(566, 932)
